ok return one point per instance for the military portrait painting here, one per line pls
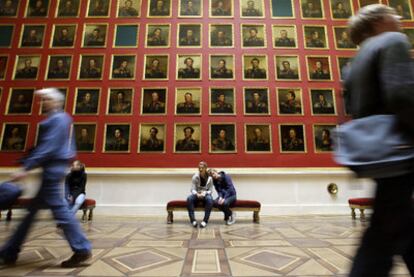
(322, 101)
(117, 138)
(319, 68)
(190, 8)
(159, 8)
(120, 101)
(128, 8)
(158, 35)
(255, 67)
(343, 63)
(284, 36)
(292, 138)
(94, 35)
(87, 101)
(188, 101)
(258, 138)
(123, 67)
(98, 8)
(32, 36)
(63, 36)
(37, 8)
(287, 68)
(189, 67)
(253, 36)
(252, 8)
(403, 8)
(9, 8)
(20, 101)
(256, 101)
(68, 8)
(156, 67)
(343, 38)
(14, 137)
(221, 8)
(315, 36)
(187, 138)
(27, 67)
(341, 9)
(312, 9)
(322, 137)
(152, 138)
(222, 101)
(91, 67)
(222, 67)
(189, 35)
(221, 35)
(59, 67)
(85, 136)
(154, 101)
(3, 66)
(290, 101)
(222, 138)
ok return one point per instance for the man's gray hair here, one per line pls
(52, 93)
(361, 25)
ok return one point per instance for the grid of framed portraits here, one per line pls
(225, 77)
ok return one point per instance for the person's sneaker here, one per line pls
(232, 220)
(203, 224)
(194, 223)
(76, 260)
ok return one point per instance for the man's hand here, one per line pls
(221, 201)
(18, 175)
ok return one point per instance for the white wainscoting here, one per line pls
(282, 191)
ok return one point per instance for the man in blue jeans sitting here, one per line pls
(226, 194)
(54, 150)
(202, 185)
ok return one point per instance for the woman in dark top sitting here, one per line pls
(75, 186)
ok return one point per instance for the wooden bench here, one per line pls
(361, 204)
(239, 205)
(23, 203)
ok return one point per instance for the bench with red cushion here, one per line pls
(239, 205)
(23, 203)
(361, 204)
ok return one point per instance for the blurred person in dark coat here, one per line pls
(54, 150)
(380, 81)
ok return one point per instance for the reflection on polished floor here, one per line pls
(134, 246)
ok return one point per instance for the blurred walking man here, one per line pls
(54, 150)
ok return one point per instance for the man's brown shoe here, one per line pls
(76, 260)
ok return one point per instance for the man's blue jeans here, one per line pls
(192, 202)
(50, 194)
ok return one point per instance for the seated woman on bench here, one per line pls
(75, 186)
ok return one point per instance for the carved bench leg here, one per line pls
(0, 214)
(170, 217)
(9, 215)
(84, 215)
(256, 217)
(353, 214)
(362, 216)
(90, 217)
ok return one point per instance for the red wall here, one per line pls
(169, 158)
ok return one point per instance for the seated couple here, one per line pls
(201, 191)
